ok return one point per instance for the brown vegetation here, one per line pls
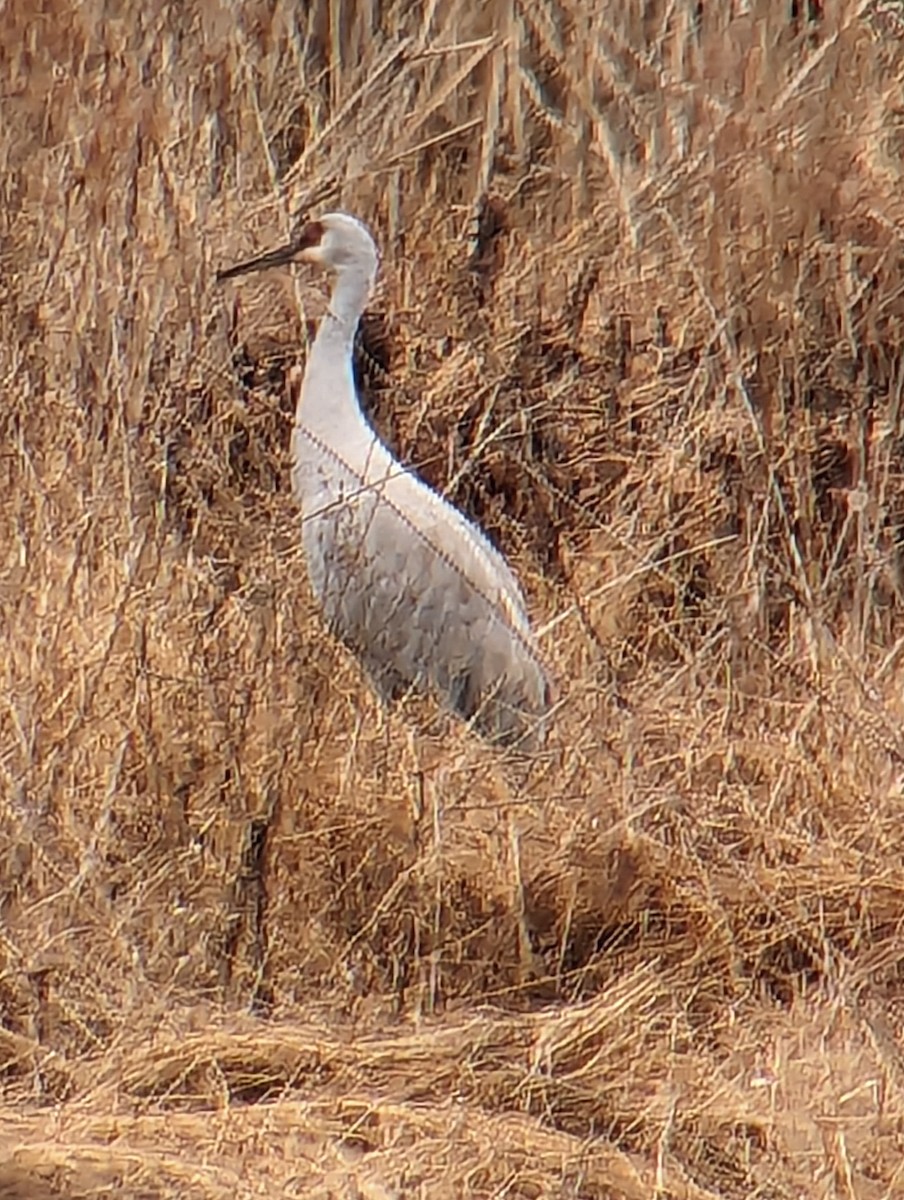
(641, 315)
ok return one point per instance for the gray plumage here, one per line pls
(404, 579)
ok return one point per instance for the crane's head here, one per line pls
(336, 241)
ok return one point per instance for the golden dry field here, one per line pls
(641, 314)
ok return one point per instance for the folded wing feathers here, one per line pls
(423, 598)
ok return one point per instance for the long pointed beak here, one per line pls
(272, 258)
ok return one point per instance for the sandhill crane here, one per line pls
(411, 586)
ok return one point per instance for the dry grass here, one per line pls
(642, 313)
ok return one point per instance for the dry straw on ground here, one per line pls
(641, 314)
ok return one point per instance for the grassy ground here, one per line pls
(641, 314)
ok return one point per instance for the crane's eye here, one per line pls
(311, 235)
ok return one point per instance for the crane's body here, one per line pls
(404, 579)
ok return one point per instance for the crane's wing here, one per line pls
(424, 605)
(452, 535)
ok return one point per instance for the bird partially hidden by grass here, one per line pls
(414, 588)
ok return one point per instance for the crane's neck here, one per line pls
(350, 292)
(328, 408)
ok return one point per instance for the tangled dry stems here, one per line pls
(641, 316)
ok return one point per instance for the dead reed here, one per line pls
(641, 315)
